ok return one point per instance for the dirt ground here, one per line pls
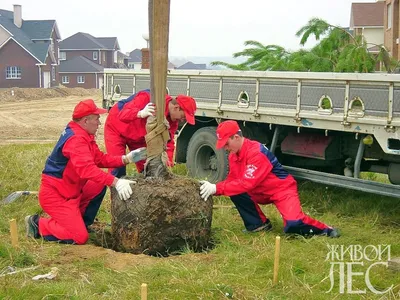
(39, 115)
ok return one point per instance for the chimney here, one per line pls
(18, 15)
(145, 58)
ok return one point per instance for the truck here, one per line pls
(323, 127)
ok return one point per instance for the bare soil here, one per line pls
(39, 115)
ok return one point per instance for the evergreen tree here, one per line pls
(338, 50)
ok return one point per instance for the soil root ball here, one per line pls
(161, 217)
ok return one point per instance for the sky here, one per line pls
(216, 28)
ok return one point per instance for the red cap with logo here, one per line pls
(224, 131)
(189, 107)
(86, 108)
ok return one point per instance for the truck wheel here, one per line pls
(203, 160)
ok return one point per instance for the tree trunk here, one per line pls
(158, 33)
(161, 217)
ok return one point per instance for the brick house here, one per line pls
(367, 20)
(83, 58)
(28, 51)
(391, 25)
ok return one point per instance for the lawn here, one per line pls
(239, 265)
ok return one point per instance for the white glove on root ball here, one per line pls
(207, 189)
(124, 189)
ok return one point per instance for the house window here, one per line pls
(389, 16)
(53, 73)
(63, 55)
(95, 55)
(81, 79)
(13, 73)
(65, 79)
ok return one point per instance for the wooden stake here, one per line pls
(276, 261)
(14, 233)
(159, 35)
(143, 291)
(223, 206)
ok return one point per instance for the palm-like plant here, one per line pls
(259, 57)
(337, 51)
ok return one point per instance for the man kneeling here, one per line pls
(73, 165)
(256, 177)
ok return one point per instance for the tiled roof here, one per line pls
(85, 41)
(367, 14)
(110, 43)
(6, 13)
(20, 37)
(81, 40)
(80, 64)
(39, 29)
(135, 56)
(192, 66)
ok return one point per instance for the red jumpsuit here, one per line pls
(123, 128)
(66, 187)
(256, 177)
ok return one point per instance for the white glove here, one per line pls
(137, 155)
(207, 189)
(124, 189)
(147, 111)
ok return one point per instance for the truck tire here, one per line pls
(203, 160)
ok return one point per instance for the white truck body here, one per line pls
(319, 124)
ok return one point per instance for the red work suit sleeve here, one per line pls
(256, 170)
(103, 160)
(173, 126)
(78, 151)
(130, 110)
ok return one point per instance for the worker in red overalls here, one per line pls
(126, 124)
(256, 177)
(75, 162)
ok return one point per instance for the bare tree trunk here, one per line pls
(157, 129)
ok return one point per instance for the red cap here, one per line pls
(224, 131)
(85, 108)
(189, 106)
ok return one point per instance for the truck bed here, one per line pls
(284, 98)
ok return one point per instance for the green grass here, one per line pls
(240, 266)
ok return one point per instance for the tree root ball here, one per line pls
(162, 217)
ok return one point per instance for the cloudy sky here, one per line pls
(197, 27)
